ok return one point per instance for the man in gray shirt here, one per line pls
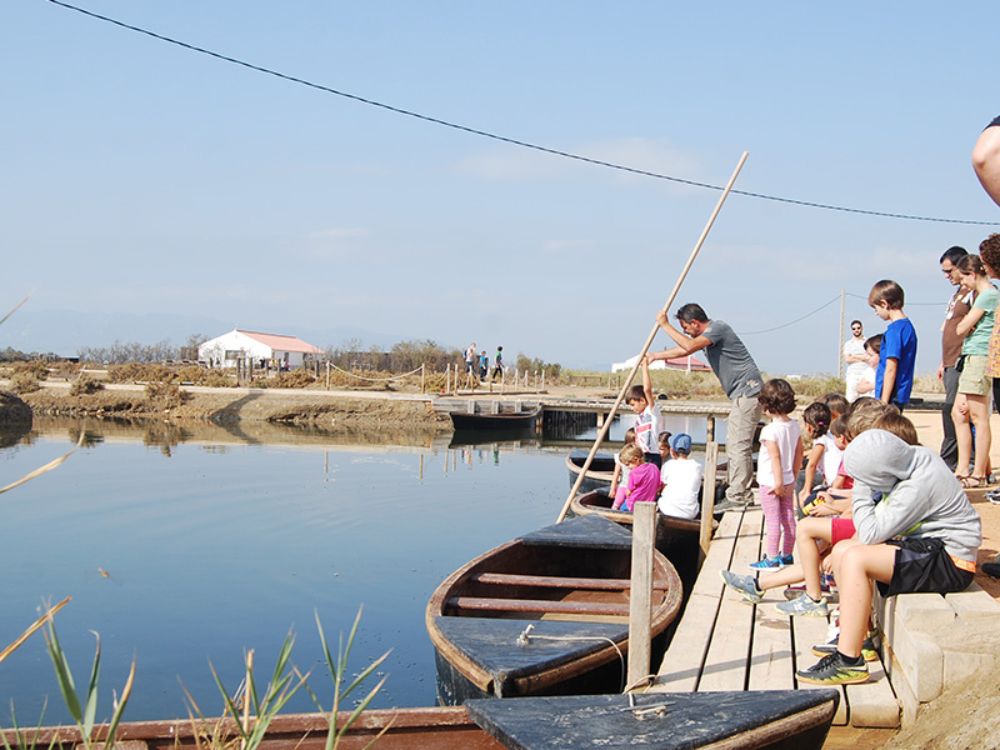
(740, 379)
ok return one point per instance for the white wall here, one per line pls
(213, 351)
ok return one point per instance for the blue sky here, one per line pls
(151, 192)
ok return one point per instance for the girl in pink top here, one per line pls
(643, 480)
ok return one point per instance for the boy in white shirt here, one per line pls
(681, 476)
(647, 424)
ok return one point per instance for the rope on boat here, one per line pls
(375, 380)
(525, 637)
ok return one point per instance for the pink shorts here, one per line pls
(841, 529)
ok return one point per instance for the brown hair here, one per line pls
(874, 343)
(630, 436)
(864, 413)
(635, 393)
(836, 402)
(887, 291)
(777, 397)
(838, 427)
(971, 264)
(630, 453)
(989, 251)
(817, 416)
(898, 425)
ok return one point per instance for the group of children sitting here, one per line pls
(888, 512)
(662, 472)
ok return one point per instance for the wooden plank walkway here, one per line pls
(725, 643)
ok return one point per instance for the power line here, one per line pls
(506, 139)
(908, 304)
(792, 322)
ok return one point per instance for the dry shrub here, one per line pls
(165, 395)
(85, 385)
(36, 367)
(24, 382)
(293, 379)
(64, 370)
(133, 372)
(203, 376)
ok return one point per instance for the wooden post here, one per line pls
(710, 428)
(543, 380)
(840, 338)
(328, 376)
(600, 419)
(423, 381)
(641, 593)
(447, 377)
(708, 495)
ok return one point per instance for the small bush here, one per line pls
(24, 382)
(293, 379)
(36, 367)
(204, 376)
(165, 394)
(133, 372)
(85, 385)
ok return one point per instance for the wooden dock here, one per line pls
(726, 643)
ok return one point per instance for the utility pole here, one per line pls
(840, 338)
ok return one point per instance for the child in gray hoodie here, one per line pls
(922, 537)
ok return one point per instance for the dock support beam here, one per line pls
(641, 595)
(708, 494)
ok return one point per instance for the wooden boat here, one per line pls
(598, 476)
(773, 719)
(436, 728)
(523, 418)
(544, 614)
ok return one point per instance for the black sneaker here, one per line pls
(868, 650)
(833, 670)
(992, 569)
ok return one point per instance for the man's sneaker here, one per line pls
(767, 563)
(805, 606)
(727, 505)
(834, 670)
(830, 647)
(746, 585)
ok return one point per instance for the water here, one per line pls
(214, 542)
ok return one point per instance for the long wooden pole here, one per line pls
(840, 338)
(603, 432)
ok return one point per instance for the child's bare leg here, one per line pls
(979, 414)
(785, 577)
(856, 568)
(806, 533)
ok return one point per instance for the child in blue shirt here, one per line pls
(898, 354)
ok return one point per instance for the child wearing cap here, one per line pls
(681, 477)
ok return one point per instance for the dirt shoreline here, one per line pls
(230, 405)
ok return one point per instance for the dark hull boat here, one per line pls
(524, 419)
(598, 476)
(773, 719)
(545, 614)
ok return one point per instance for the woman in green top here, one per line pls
(974, 385)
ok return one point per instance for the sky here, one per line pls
(151, 192)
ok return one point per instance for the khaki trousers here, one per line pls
(743, 419)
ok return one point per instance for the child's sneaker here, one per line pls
(993, 496)
(787, 560)
(827, 588)
(833, 669)
(868, 650)
(805, 606)
(767, 563)
(745, 585)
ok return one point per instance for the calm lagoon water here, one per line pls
(221, 542)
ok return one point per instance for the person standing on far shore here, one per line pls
(856, 359)
(740, 379)
(951, 348)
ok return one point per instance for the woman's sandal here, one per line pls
(974, 483)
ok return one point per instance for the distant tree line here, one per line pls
(119, 353)
(16, 355)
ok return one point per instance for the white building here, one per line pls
(260, 349)
(689, 363)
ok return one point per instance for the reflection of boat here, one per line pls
(478, 420)
(773, 719)
(544, 614)
(598, 476)
(513, 437)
